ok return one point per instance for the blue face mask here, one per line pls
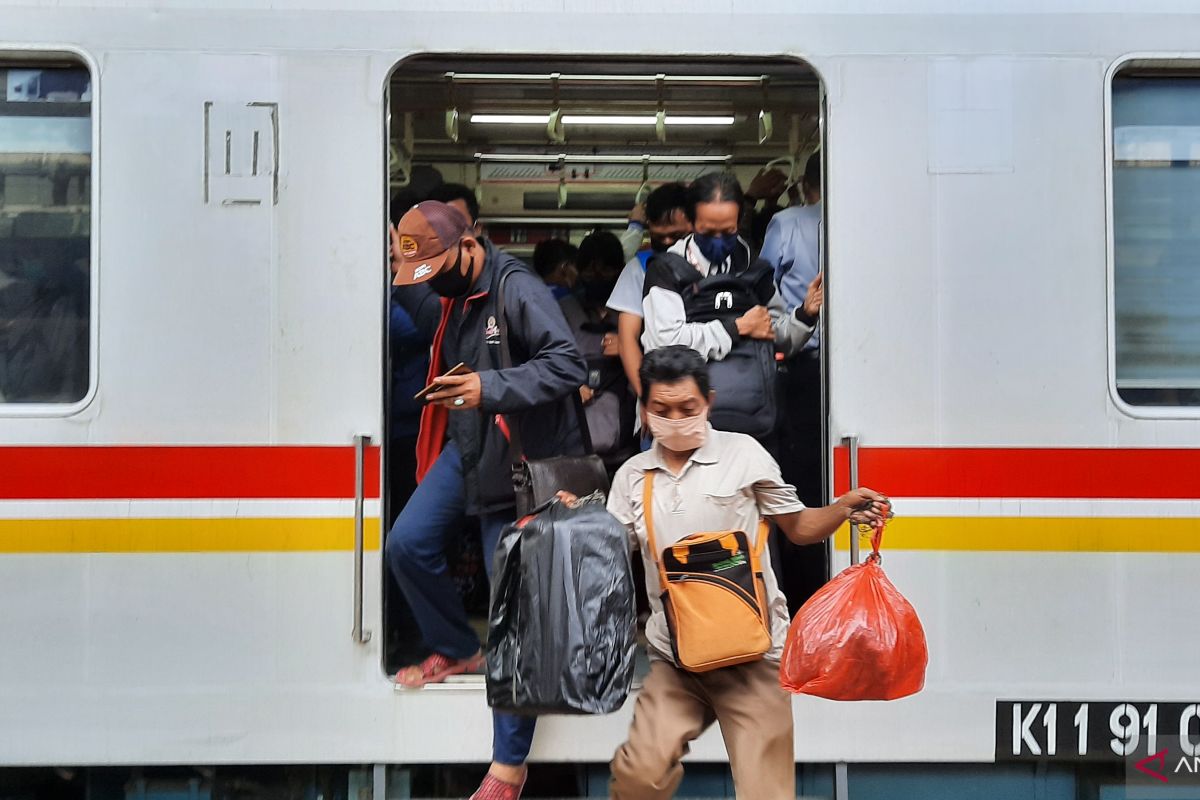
(716, 248)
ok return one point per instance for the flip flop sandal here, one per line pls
(436, 669)
(493, 788)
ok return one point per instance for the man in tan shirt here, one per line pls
(709, 480)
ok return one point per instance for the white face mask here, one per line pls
(679, 435)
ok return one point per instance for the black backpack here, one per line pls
(744, 381)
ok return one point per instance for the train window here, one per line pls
(45, 233)
(1156, 238)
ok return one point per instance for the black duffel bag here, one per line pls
(563, 623)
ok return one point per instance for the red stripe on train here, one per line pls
(1088, 473)
(183, 473)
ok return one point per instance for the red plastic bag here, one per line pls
(857, 638)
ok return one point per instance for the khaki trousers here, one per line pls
(676, 706)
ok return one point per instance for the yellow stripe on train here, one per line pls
(242, 535)
(1027, 534)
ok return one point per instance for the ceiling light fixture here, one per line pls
(510, 119)
(564, 158)
(598, 119)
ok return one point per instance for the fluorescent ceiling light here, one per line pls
(597, 119)
(549, 158)
(699, 120)
(511, 119)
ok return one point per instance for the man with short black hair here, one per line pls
(667, 223)
(709, 480)
(463, 199)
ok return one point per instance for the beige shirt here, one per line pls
(728, 484)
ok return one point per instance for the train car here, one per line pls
(193, 289)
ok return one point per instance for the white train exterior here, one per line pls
(181, 589)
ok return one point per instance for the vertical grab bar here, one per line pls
(360, 454)
(852, 444)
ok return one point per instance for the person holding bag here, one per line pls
(695, 505)
(520, 370)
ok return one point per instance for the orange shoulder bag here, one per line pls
(713, 594)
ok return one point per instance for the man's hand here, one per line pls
(864, 506)
(755, 324)
(638, 214)
(610, 345)
(767, 185)
(586, 394)
(466, 388)
(814, 298)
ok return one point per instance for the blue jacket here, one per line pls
(534, 394)
(410, 367)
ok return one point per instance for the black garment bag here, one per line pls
(563, 623)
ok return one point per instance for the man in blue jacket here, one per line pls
(464, 462)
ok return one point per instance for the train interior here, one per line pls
(558, 148)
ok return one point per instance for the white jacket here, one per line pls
(666, 320)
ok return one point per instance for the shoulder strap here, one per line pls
(764, 532)
(760, 544)
(514, 434)
(648, 515)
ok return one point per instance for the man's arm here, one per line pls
(792, 329)
(631, 239)
(812, 525)
(554, 368)
(423, 305)
(629, 332)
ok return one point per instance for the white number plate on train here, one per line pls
(1094, 730)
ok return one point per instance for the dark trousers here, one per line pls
(402, 637)
(801, 444)
(416, 553)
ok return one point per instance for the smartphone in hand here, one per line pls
(458, 369)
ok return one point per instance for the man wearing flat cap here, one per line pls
(463, 456)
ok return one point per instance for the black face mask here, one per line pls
(452, 282)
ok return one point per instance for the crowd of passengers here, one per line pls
(678, 356)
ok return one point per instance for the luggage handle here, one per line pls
(876, 530)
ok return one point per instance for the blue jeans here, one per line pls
(415, 552)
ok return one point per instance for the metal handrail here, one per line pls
(852, 444)
(360, 454)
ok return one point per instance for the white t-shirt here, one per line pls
(626, 297)
(728, 484)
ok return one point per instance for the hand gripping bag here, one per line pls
(857, 638)
(562, 628)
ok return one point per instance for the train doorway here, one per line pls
(543, 152)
